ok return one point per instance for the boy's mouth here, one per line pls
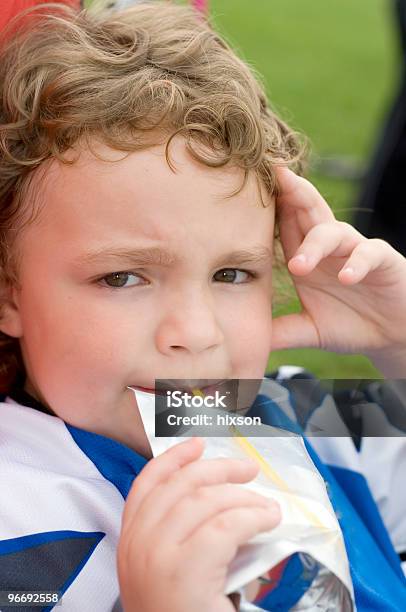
(207, 389)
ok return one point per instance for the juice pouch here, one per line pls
(302, 563)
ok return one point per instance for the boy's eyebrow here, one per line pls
(162, 257)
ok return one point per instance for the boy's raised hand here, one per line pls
(183, 522)
(352, 289)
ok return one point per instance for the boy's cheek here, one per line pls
(254, 346)
(256, 321)
(75, 365)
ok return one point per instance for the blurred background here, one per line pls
(331, 70)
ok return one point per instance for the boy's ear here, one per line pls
(10, 319)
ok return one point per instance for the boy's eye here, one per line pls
(231, 275)
(120, 279)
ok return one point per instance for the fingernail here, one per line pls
(349, 270)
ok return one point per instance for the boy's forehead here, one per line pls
(150, 164)
(139, 193)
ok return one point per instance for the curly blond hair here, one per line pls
(127, 78)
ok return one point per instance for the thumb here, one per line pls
(294, 331)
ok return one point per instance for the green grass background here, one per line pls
(330, 68)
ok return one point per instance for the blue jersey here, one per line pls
(63, 491)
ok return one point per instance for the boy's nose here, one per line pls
(190, 325)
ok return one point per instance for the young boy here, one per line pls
(140, 169)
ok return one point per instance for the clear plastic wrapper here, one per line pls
(308, 538)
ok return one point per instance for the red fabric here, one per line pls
(10, 8)
(201, 5)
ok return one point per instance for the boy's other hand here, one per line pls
(352, 289)
(183, 522)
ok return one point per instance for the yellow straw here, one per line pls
(269, 472)
(252, 452)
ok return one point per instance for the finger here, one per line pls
(226, 532)
(191, 477)
(294, 331)
(368, 256)
(205, 503)
(299, 208)
(159, 469)
(336, 239)
(290, 233)
(298, 194)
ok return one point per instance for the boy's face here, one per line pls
(133, 272)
